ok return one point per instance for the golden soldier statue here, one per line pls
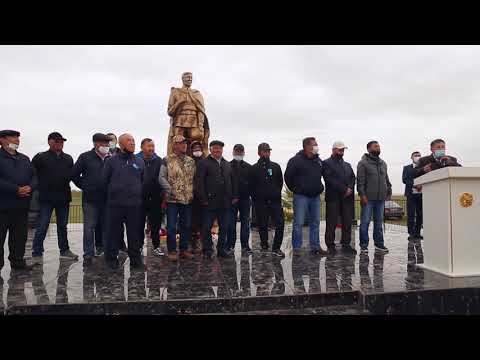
(187, 115)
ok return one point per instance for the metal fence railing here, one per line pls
(76, 214)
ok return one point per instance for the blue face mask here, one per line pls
(439, 153)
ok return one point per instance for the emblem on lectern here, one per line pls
(466, 199)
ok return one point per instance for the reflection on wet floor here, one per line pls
(62, 281)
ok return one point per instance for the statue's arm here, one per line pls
(173, 104)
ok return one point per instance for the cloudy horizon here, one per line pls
(402, 96)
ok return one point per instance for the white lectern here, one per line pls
(451, 220)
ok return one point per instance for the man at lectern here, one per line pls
(437, 160)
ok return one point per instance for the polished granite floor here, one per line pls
(256, 276)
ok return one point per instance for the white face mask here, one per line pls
(415, 159)
(238, 157)
(315, 150)
(104, 150)
(13, 146)
(112, 145)
(197, 153)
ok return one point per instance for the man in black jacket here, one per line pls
(217, 190)
(413, 193)
(437, 160)
(197, 153)
(266, 184)
(87, 175)
(241, 171)
(152, 196)
(304, 178)
(16, 173)
(339, 197)
(123, 177)
(53, 168)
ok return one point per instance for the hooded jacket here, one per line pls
(372, 178)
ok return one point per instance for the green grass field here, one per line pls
(76, 215)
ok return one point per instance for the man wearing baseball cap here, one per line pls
(87, 175)
(16, 173)
(176, 178)
(195, 242)
(266, 184)
(53, 168)
(241, 170)
(339, 197)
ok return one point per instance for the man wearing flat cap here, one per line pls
(241, 170)
(54, 169)
(339, 197)
(217, 191)
(176, 178)
(87, 175)
(16, 173)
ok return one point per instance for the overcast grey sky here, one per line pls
(402, 96)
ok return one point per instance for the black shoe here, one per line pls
(279, 253)
(208, 255)
(87, 260)
(332, 250)
(349, 250)
(364, 249)
(382, 249)
(320, 252)
(247, 251)
(264, 247)
(21, 266)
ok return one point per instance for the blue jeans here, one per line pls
(93, 225)
(301, 205)
(374, 207)
(243, 206)
(182, 213)
(46, 210)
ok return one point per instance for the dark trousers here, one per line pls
(181, 214)
(208, 219)
(99, 233)
(342, 210)
(116, 217)
(242, 207)
(263, 210)
(196, 224)
(15, 221)
(154, 215)
(414, 214)
(93, 227)
(61, 213)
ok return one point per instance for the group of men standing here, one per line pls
(122, 190)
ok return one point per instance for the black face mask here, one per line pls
(338, 156)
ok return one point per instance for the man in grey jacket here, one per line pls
(374, 188)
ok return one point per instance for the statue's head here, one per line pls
(187, 79)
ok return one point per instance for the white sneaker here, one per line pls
(158, 252)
